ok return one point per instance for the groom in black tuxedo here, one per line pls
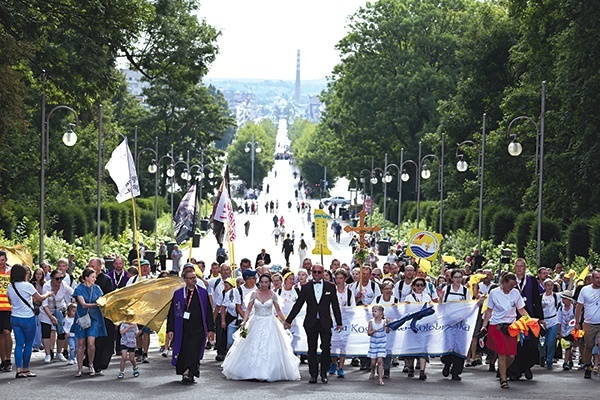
(320, 298)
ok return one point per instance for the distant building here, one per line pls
(135, 85)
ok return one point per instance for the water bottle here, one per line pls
(542, 340)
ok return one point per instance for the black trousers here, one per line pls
(313, 334)
(457, 364)
(221, 342)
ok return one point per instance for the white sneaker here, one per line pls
(164, 353)
(47, 359)
(71, 362)
(61, 357)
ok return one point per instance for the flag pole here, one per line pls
(194, 223)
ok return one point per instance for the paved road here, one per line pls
(158, 379)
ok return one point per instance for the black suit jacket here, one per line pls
(266, 258)
(329, 301)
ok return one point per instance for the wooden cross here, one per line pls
(361, 229)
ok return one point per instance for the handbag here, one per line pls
(85, 321)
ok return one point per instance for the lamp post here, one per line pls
(515, 149)
(153, 169)
(462, 166)
(387, 178)
(252, 147)
(425, 174)
(404, 177)
(69, 139)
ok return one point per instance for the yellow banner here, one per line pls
(424, 244)
(321, 219)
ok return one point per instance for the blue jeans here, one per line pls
(231, 329)
(24, 330)
(551, 334)
(37, 341)
(72, 347)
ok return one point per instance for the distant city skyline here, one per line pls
(260, 38)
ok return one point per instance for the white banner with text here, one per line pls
(448, 330)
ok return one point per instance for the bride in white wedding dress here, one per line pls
(265, 354)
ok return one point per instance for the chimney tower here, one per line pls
(297, 92)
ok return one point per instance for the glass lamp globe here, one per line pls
(171, 171)
(257, 149)
(462, 165)
(247, 149)
(405, 177)
(515, 148)
(69, 138)
(388, 178)
(152, 168)
(425, 174)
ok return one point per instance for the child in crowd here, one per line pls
(67, 324)
(129, 333)
(377, 330)
(566, 318)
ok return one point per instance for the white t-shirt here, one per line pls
(343, 299)
(20, 309)
(406, 289)
(590, 298)
(549, 307)
(504, 305)
(484, 289)
(369, 291)
(418, 298)
(229, 302)
(245, 292)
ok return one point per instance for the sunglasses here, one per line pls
(317, 272)
(59, 279)
(419, 285)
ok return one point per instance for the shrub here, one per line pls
(578, 239)
(523, 231)
(595, 233)
(501, 224)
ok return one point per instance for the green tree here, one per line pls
(240, 161)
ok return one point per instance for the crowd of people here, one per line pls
(240, 305)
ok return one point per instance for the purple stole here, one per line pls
(179, 307)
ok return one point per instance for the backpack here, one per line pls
(449, 287)
(378, 299)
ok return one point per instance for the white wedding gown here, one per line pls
(265, 353)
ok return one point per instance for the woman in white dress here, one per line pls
(265, 354)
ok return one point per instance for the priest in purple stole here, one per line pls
(188, 325)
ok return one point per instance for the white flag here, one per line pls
(122, 170)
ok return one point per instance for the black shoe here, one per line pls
(456, 377)
(492, 368)
(446, 370)
(513, 378)
(588, 372)
(355, 362)
(313, 379)
(219, 357)
(324, 379)
(528, 374)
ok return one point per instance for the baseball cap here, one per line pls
(249, 273)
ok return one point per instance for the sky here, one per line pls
(260, 38)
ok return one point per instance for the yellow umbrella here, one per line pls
(145, 303)
(18, 255)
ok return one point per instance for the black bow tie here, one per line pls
(317, 283)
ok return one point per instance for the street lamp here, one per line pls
(252, 147)
(404, 177)
(515, 149)
(153, 169)
(387, 178)
(462, 166)
(426, 174)
(69, 139)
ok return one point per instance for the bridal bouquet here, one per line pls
(243, 332)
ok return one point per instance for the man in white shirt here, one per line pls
(402, 287)
(589, 299)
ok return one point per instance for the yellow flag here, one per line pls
(424, 244)
(584, 273)
(18, 255)
(145, 302)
